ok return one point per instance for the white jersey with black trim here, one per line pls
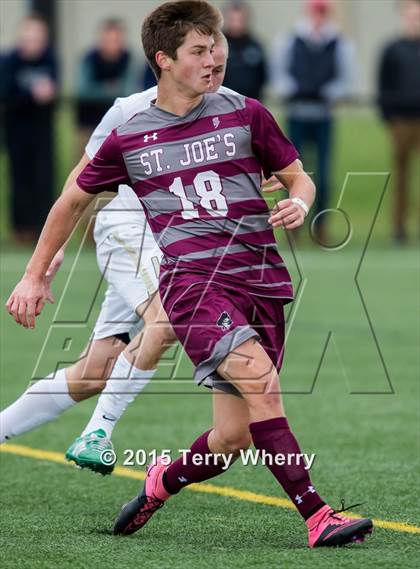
(125, 209)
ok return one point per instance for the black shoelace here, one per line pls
(343, 509)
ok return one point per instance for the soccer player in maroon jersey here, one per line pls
(195, 162)
(116, 232)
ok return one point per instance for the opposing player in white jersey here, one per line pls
(127, 255)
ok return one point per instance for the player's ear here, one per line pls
(163, 60)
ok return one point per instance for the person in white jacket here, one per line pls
(311, 70)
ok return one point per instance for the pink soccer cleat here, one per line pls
(140, 509)
(327, 528)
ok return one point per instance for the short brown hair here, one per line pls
(221, 39)
(166, 27)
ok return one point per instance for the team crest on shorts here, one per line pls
(224, 321)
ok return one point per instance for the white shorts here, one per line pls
(132, 278)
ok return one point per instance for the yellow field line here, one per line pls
(226, 491)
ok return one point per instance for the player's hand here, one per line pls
(287, 214)
(27, 300)
(52, 271)
(272, 184)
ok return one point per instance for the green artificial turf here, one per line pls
(350, 380)
(360, 419)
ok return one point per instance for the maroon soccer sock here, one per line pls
(274, 437)
(184, 471)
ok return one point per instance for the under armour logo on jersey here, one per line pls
(299, 499)
(148, 137)
(224, 321)
(216, 122)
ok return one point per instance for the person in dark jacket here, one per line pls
(28, 90)
(149, 79)
(105, 73)
(246, 70)
(399, 102)
(312, 70)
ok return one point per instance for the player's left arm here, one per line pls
(290, 213)
(277, 155)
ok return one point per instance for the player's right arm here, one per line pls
(111, 119)
(30, 294)
(104, 173)
(59, 257)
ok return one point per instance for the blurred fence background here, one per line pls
(368, 22)
(361, 142)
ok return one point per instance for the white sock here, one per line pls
(125, 382)
(41, 403)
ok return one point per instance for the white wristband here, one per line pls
(302, 204)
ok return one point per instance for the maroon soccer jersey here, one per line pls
(198, 177)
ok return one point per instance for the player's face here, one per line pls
(219, 69)
(192, 70)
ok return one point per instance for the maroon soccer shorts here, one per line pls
(212, 320)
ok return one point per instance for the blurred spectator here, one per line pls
(106, 72)
(246, 70)
(28, 92)
(313, 70)
(399, 101)
(149, 79)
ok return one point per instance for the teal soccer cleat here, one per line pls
(94, 451)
